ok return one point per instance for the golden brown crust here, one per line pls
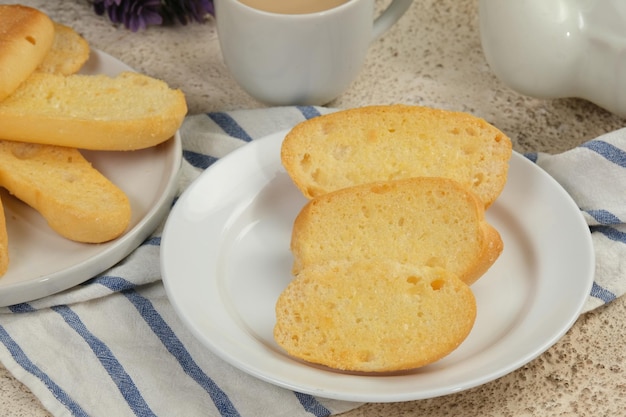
(76, 200)
(373, 316)
(421, 221)
(68, 53)
(4, 243)
(379, 143)
(97, 112)
(26, 36)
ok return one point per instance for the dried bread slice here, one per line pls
(379, 143)
(4, 243)
(68, 53)
(97, 112)
(428, 221)
(373, 316)
(77, 201)
(26, 36)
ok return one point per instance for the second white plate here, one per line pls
(225, 259)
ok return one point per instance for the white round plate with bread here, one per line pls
(43, 262)
(225, 259)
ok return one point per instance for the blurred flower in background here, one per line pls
(139, 14)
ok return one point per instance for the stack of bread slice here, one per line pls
(393, 236)
(49, 111)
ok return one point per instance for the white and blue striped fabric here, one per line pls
(594, 174)
(113, 346)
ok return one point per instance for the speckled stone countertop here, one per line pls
(431, 57)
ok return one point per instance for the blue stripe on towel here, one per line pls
(21, 308)
(23, 360)
(603, 294)
(532, 156)
(114, 283)
(604, 217)
(610, 232)
(308, 112)
(198, 160)
(177, 349)
(311, 405)
(610, 152)
(152, 241)
(229, 126)
(124, 382)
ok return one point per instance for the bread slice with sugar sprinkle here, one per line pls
(76, 200)
(373, 316)
(381, 143)
(26, 36)
(97, 112)
(68, 53)
(428, 221)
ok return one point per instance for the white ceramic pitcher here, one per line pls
(558, 48)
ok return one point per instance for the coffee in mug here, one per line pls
(293, 6)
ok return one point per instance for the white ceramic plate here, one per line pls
(225, 259)
(43, 263)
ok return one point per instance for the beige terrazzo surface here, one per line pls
(432, 57)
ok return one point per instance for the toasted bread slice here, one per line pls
(428, 221)
(76, 200)
(380, 143)
(4, 243)
(97, 112)
(68, 53)
(26, 36)
(373, 316)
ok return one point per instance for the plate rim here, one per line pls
(183, 313)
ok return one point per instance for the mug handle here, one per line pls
(390, 16)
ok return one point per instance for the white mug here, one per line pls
(299, 59)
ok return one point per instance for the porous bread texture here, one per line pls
(68, 53)
(373, 316)
(97, 112)
(379, 143)
(4, 243)
(429, 221)
(76, 200)
(26, 36)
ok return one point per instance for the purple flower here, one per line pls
(139, 14)
(186, 11)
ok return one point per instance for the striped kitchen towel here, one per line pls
(115, 347)
(594, 174)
